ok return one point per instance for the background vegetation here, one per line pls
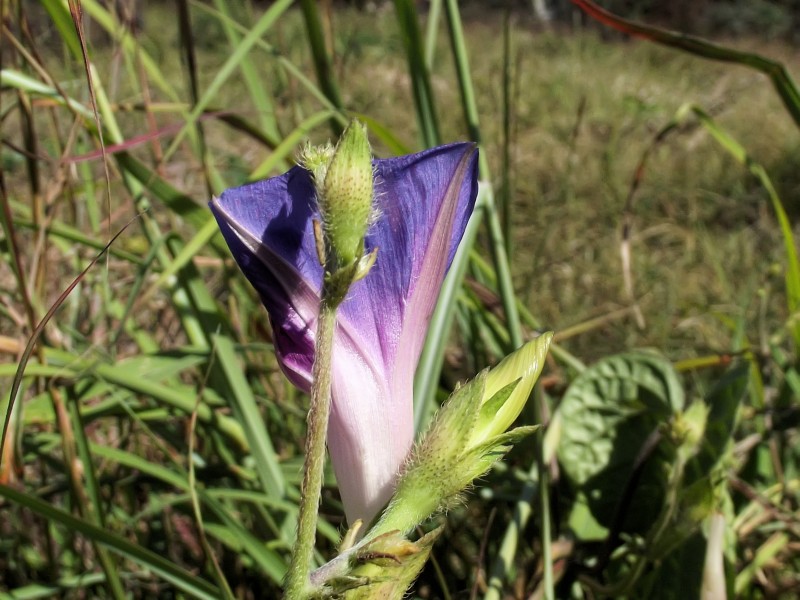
(637, 197)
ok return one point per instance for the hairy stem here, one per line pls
(298, 584)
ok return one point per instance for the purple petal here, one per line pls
(268, 227)
(423, 202)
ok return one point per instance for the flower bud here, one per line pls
(465, 438)
(316, 159)
(345, 194)
(503, 403)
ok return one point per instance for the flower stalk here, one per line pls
(298, 584)
(343, 182)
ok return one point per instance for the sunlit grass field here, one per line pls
(153, 410)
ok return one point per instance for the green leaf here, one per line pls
(608, 414)
(723, 401)
(583, 523)
(676, 574)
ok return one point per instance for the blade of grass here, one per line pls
(134, 295)
(326, 530)
(487, 333)
(493, 221)
(527, 317)
(408, 23)
(285, 63)
(14, 79)
(199, 313)
(269, 562)
(246, 410)
(383, 133)
(261, 99)
(66, 365)
(201, 240)
(85, 484)
(163, 567)
(467, 91)
(189, 59)
(322, 61)
(426, 378)
(737, 151)
(63, 21)
(36, 591)
(121, 34)
(211, 560)
(505, 163)
(289, 144)
(180, 481)
(136, 55)
(505, 284)
(777, 73)
(76, 12)
(764, 554)
(15, 257)
(431, 32)
(181, 204)
(20, 368)
(222, 74)
(523, 510)
(174, 398)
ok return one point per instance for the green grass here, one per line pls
(164, 329)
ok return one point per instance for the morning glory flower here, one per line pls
(422, 204)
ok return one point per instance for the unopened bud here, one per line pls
(316, 160)
(345, 195)
(465, 438)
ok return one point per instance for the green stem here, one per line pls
(523, 510)
(496, 235)
(408, 24)
(322, 60)
(298, 585)
(548, 583)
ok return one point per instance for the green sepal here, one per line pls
(451, 429)
(496, 402)
(387, 577)
(478, 460)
